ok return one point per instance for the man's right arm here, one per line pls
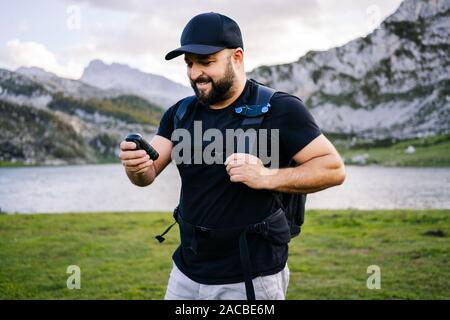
(140, 169)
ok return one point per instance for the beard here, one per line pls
(220, 89)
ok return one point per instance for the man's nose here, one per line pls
(194, 72)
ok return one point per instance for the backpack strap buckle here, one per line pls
(260, 228)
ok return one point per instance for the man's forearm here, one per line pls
(312, 176)
(142, 179)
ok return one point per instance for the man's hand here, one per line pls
(248, 169)
(134, 161)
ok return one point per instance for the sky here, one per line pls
(63, 36)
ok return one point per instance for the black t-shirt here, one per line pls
(210, 199)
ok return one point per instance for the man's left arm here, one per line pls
(320, 167)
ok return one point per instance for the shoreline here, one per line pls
(122, 212)
(8, 165)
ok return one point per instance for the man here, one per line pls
(238, 191)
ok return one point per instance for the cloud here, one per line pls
(32, 54)
(249, 11)
(274, 31)
(154, 28)
(140, 33)
(23, 26)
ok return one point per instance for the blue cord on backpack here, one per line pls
(252, 111)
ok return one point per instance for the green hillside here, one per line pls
(30, 133)
(131, 109)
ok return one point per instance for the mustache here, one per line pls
(201, 79)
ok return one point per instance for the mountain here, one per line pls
(36, 136)
(20, 89)
(392, 84)
(395, 82)
(123, 78)
(45, 119)
(75, 88)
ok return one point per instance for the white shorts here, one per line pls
(180, 287)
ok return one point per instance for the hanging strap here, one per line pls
(246, 266)
(176, 214)
(160, 237)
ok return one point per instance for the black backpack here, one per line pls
(293, 204)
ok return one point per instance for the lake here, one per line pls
(91, 188)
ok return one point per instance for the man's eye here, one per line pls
(203, 63)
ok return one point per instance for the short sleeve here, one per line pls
(165, 128)
(297, 127)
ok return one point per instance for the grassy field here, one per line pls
(119, 259)
(11, 164)
(429, 152)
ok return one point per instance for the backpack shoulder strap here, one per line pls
(253, 113)
(263, 94)
(178, 119)
(182, 111)
(260, 104)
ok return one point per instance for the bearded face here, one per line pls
(211, 91)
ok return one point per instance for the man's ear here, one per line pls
(238, 55)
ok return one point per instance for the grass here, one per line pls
(119, 259)
(429, 152)
(12, 164)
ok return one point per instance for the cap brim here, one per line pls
(193, 48)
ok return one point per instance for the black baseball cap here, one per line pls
(208, 33)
